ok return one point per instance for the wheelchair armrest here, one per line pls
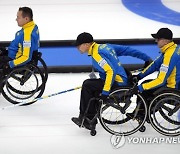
(164, 89)
(36, 55)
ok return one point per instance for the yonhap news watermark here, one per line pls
(118, 141)
(153, 140)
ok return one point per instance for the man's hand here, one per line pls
(147, 63)
(135, 90)
(6, 68)
(3, 51)
(135, 78)
(104, 98)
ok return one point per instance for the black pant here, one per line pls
(4, 60)
(147, 95)
(91, 88)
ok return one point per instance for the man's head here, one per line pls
(24, 15)
(84, 41)
(163, 36)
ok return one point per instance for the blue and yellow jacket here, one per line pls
(168, 67)
(105, 60)
(21, 48)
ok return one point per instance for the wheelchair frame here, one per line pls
(22, 75)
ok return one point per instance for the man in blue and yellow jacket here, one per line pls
(105, 60)
(26, 40)
(167, 64)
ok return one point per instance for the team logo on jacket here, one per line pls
(164, 68)
(26, 43)
(102, 62)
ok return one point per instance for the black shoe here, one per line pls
(77, 121)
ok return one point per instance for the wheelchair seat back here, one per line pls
(129, 77)
(36, 54)
(35, 57)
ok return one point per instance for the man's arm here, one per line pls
(154, 66)
(122, 50)
(166, 68)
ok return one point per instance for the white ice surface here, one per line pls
(46, 127)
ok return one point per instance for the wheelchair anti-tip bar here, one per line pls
(40, 98)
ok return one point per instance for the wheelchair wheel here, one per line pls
(24, 84)
(163, 113)
(38, 61)
(44, 68)
(122, 114)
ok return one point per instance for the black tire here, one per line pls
(116, 122)
(159, 113)
(17, 74)
(29, 68)
(44, 68)
(26, 94)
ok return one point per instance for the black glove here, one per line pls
(135, 90)
(135, 78)
(103, 97)
(6, 68)
(147, 63)
(3, 51)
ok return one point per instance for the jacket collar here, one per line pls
(167, 46)
(31, 23)
(90, 51)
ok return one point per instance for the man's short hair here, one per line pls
(26, 12)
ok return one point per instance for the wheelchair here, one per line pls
(163, 111)
(125, 113)
(25, 83)
(120, 114)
